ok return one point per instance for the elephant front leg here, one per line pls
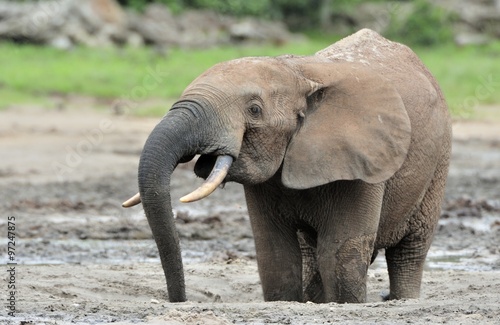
(346, 240)
(344, 269)
(311, 278)
(278, 251)
(280, 263)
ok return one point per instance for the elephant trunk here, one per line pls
(177, 138)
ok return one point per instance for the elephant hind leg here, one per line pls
(405, 263)
(406, 260)
(312, 285)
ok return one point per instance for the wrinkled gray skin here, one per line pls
(341, 154)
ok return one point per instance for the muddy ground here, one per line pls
(83, 259)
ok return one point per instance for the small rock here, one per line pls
(463, 39)
(61, 42)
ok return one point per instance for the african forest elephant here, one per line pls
(341, 154)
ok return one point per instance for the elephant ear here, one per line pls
(355, 127)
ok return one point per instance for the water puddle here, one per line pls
(74, 251)
(90, 251)
(445, 254)
(144, 251)
(462, 260)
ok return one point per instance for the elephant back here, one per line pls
(395, 62)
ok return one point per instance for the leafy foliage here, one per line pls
(427, 25)
(424, 24)
(308, 10)
(263, 8)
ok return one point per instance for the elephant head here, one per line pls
(303, 121)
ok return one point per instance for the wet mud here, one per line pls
(83, 259)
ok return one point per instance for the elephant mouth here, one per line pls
(204, 165)
(218, 167)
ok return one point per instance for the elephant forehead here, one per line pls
(256, 69)
(248, 76)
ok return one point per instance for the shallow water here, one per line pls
(121, 252)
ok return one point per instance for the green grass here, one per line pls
(468, 76)
(10, 96)
(31, 74)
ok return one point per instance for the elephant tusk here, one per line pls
(134, 200)
(217, 175)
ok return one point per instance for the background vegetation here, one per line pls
(31, 73)
(34, 74)
(272, 9)
(428, 25)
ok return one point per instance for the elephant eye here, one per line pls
(255, 110)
